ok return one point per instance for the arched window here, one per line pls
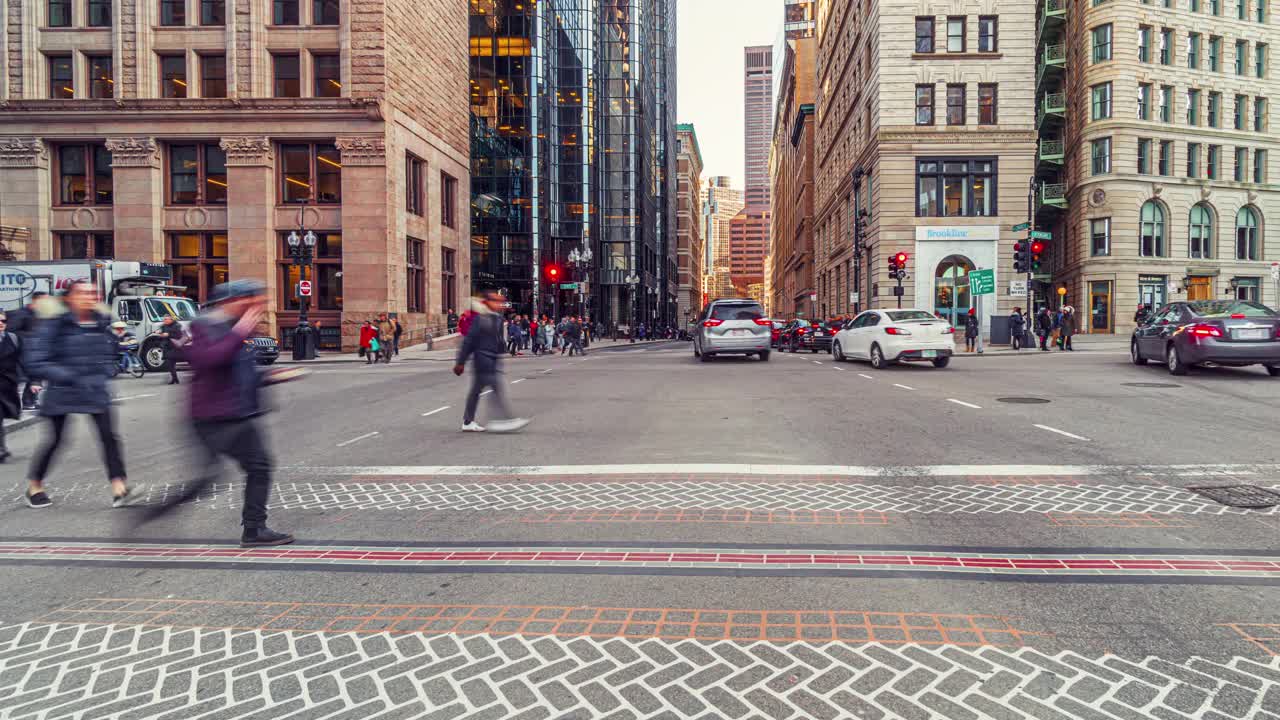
(1247, 234)
(1200, 244)
(1152, 239)
(951, 288)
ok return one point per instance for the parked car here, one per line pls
(265, 348)
(732, 327)
(1234, 333)
(889, 336)
(811, 335)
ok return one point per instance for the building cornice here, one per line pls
(23, 152)
(954, 137)
(247, 150)
(362, 150)
(133, 152)
(251, 110)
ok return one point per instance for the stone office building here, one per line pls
(199, 133)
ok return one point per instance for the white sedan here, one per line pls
(888, 336)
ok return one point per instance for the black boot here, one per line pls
(263, 537)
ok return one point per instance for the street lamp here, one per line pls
(580, 261)
(633, 281)
(302, 249)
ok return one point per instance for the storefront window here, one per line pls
(1247, 289)
(199, 262)
(324, 272)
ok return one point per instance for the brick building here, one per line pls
(791, 173)
(199, 133)
(689, 240)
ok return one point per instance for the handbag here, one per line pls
(374, 346)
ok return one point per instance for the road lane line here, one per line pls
(132, 397)
(815, 362)
(1138, 470)
(961, 402)
(486, 392)
(433, 412)
(1063, 432)
(544, 372)
(834, 367)
(865, 376)
(904, 387)
(357, 438)
(513, 382)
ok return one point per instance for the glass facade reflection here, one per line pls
(573, 123)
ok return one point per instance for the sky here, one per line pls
(711, 35)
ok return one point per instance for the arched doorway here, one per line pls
(951, 289)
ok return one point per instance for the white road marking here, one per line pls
(1063, 432)
(961, 402)
(816, 362)
(486, 392)
(1159, 471)
(834, 367)
(544, 372)
(433, 412)
(357, 438)
(904, 387)
(865, 376)
(513, 382)
(132, 397)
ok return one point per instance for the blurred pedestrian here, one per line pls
(368, 341)
(395, 335)
(483, 346)
(22, 323)
(73, 350)
(1017, 326)
(1044, 326)
(1067, 328)
(1142, 315)
(386, 337)
(971, 330)
(225, 404)
(174, 338)
(10, 398)
(452, 321)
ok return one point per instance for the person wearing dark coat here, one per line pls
(10, 401)
(22, 322)
(483, 346)
(971, 330)
(1044, 327)
(1017, 327)
(1067, 328)
(175, 338)
(73, 352)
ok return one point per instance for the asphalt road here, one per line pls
(797, 538)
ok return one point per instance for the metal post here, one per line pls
(979, 313)
(1031, 220)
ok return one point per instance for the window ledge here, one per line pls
(958, 56)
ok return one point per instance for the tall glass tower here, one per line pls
(573, 148)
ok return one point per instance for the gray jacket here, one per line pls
(483, 343)
(75, 361)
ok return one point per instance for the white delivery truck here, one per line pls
(138, 293)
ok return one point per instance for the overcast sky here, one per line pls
(711, 34)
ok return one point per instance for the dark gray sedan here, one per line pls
(1218, 332)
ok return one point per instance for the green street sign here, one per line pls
(982, 282)
(1041, 235)
(569, 286)
(1022, 226)
(1042, 276)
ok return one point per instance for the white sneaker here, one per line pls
(473, 426)
(508, 426)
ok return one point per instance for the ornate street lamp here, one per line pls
(633, 281)
(302, 249)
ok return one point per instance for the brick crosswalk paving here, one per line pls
(87, 671)
(638, 496)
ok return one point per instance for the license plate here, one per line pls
(928, 354)
(736, 333)
(1251, 334)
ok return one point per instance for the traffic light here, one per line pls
(898, 266)
(1037, 247)
(1021, 257)
(553, 273)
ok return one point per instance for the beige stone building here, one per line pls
(790, 270)
(720, 204)
(925, 121)
(689, 241)
(199, 133)
(1157, 153)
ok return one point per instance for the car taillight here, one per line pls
(891, 330)
(1237, 316)
(801, 331)
(948, 330)
(711, 323)
(1204, 331)
(762, 321)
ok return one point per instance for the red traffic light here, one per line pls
(1019, 247)
(1037, 248)
(553, 272)
(901, 259)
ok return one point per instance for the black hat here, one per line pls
(236, 289)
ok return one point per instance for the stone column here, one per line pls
(138, 187)
(24, 192)
(252, 245)
(370, 252)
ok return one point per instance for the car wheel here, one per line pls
(765, 356)
(1174, 360)
(877, 358)
(153, 357)
(696, 351)
(837, 353)
(1273, 370)
(1135, 354)
(941, 362)
(706, 357)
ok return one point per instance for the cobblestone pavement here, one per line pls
(128, 672)
(535, 497)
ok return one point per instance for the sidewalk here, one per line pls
(420, 353)
(1080, 343)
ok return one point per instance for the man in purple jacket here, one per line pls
(226, 403)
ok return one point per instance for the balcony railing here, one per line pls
(1053, 17)
(1052, 151)
(1054, 104)
(1055, 54)
(1054, 194)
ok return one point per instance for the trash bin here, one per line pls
(1000, 330)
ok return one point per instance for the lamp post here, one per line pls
(302, 249)
(633, 281)
(580, 261)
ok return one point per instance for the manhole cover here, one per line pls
(1151, 385)
(1241, 496)
(1023, 400)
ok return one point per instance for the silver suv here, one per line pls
(732, 327)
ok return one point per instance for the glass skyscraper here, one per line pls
(573, 147)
